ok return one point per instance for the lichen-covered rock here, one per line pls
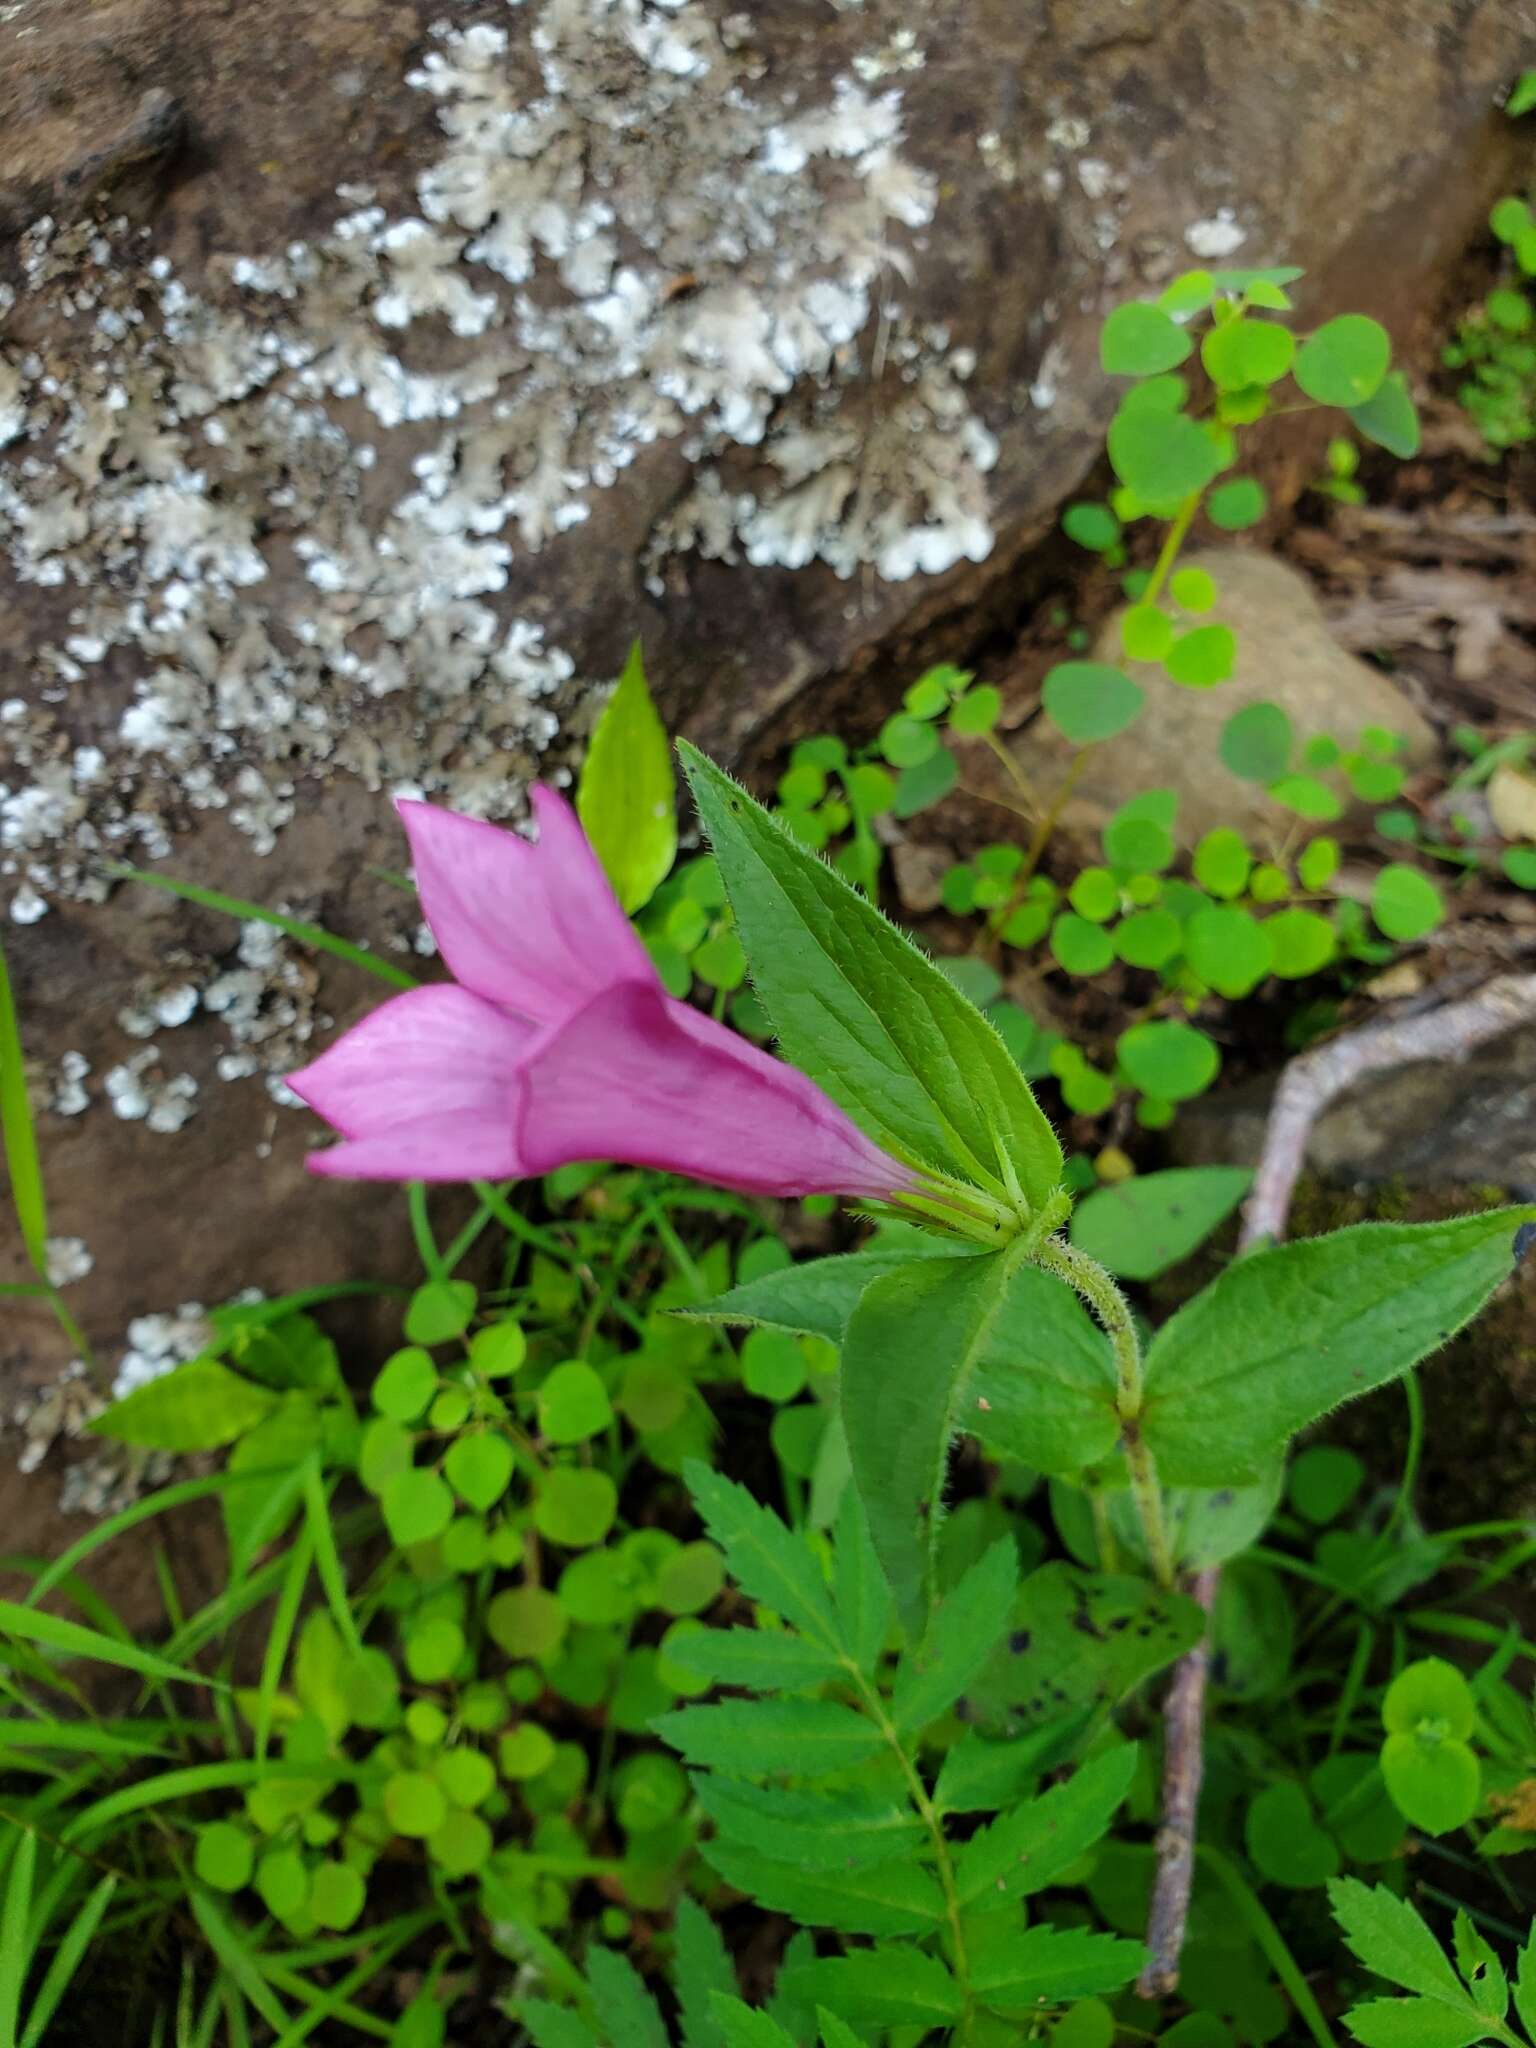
(368, 382)
(1285, 655)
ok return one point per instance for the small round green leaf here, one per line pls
(1256, 743)
(1389, 417)
(1229, 949)
(1323, 1481)
(479, 1468)
(406, 1383)
(526, 1621)
(575, 1506)
(1236, 505)
(1148, 938)
(1285, 1840)
(1088, 701)
(1092, 526)
(1405, 904)
(1438, 1786)
(525, 1751)
(1301, 943)
(414, 1803)
(433, 1649)
(1203, 656)
(1245, 351)
(461, 1845)
(282, 1879)
(1308, 798)
(905, 741)
(976, 712)
(772, 1365)
(337, 1895)
(1193, 590)
(224, 1856)
(1162, 457)
(1168, 1059)
(1095, 895)
(1344, 362)
(1146, 632)
(691, 1579)
(1222, 862)
(467, 1777)
(573, 1404)
(1079, 947)
(440, 1310)
(1139, 341)
(1319, 863)
(1429, 1697)
(417, 1506)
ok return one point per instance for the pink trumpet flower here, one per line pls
(555, 1041)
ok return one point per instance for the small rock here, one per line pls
(1285, 655)
(919, 872)
(1512, 803)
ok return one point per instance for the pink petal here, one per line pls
(640, 1078)
(535, 927)
(427, 1087)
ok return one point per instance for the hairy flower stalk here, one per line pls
(556, 1042)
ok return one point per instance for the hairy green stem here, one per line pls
(875, 1707)
(1087, 1278)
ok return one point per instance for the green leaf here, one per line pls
(1202, 657)
(1162, 457)
(479, 1468)
(847, 1830)
(965, 1627)
(1048, 1965)
(1139, 341)
(1344, 362)
(196, 1407)
(744, 2028)
(1390, 1937)
(1436, 1785)
(1405, 904)
(883, 1987)
(701, 1968)
(1301, 943)
(806, 1738)
(867, 1016)
(1256, 742)
(1284, 1840)
(1092, 526)
(626, 2011)
(68, 1956)
(1142, 1226)
(759, 1660)
(1236, 505)
(864, 1605)
(20, 1138)
(1389, 417)
(1081, 1640)
(1088, 701)
(890, 1898)
(770, 1562)
(1168, 1059)
(1247, 1363)
(1525, 1986)
(554, 2026)
(1429, 1690)
(71, 1639)
(1246, 351)
(417, 1506)
(980, 1775)
(1027, 1850)
(16, 1941)
(1416, 2023)
(1228, 948)
(911, 1359)
(627, 799)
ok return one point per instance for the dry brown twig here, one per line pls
(1308, 1085)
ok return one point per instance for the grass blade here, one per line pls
(20, 1139)
(284, 1621)
(307, 934)
(66, 1961)
(71, 1640)
(322, 1536)
(229, 1946)
(15, 1944)
(185, 1491)
(195, 1779)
